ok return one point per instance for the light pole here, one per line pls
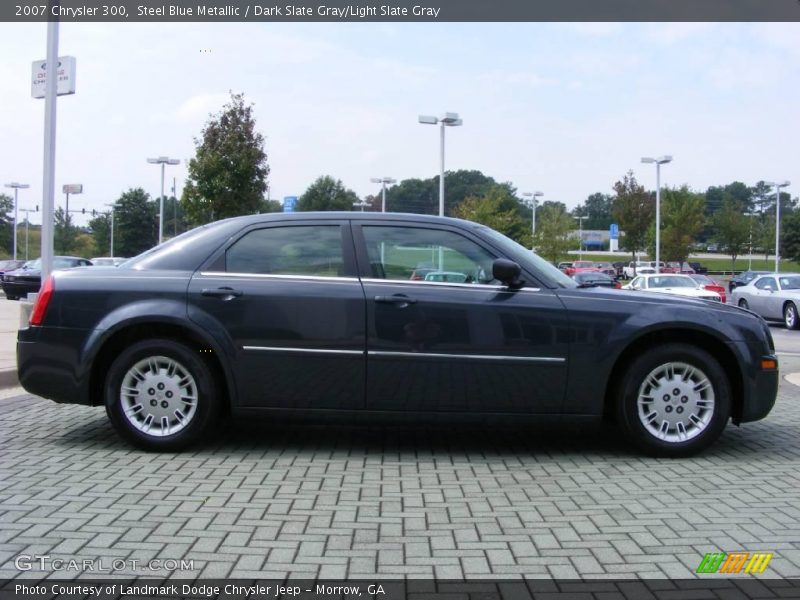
(17, 187)
(778, 185)
(163, 161)
(533, 196)
(27, 212)
(580, 235)
(362, 204)
(112, 228)
(447, 120)
(750, 257)
(383, 181)
(661, 160)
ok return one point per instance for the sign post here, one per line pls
(289, 204)
(613, 243)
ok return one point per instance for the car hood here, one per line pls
(24, 273)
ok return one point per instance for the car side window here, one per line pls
(291, 250)
(422, 254)
(767, 283)
(636, 282)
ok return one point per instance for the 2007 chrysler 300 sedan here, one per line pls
(374, 313)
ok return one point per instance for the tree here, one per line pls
(681, 220)
(598, 208)
(327, 193)
(228, 175)
(634, 210)
(492, 210)
(100, 228)
(790, 240)
(135, 223)
(733, 228)
(420, 196)
(63, 232)
(7, 223)
(764, 235)
(553, 225)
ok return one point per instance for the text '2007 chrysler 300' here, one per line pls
(381, 314)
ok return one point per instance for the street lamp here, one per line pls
(661, 160)
(27, 212)
(580, 235)
(533, 196)
(112, 228)
(778, 185)
(163, 161)
(447, 120)
(383, 181)
(362, 204)
(17, 187)
(750, 257)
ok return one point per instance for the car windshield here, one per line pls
(671, 282)
(703, 279)
(790, 283)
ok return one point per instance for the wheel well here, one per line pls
(788, 302)
(123, 338)
(699, 339)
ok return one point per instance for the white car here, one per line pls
(640, 267)
(671, 283)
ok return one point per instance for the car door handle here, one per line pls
(223, 293)
(399, 300)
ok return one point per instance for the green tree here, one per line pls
(790, 240)
(764, 235)
(732, 227)
(327, 193)
(553, 225)
(681, 220)
(634, 210)
(598, 210)
(7, 223)
(100, 228)
(135, 223)
(493, 211)
(228, 175)
(63, 232)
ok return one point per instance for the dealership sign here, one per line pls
(66, 77)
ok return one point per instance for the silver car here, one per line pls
(774, 296)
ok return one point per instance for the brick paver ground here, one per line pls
(307, 500)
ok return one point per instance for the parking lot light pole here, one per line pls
(362, 204)
(580, 235)
(750, 257)
(777, 185)
(163, 161)
(112, 228)
(447, 120)
(17, 187)
(533, 196)
(661, 160)
(383, 181)
(27, 212)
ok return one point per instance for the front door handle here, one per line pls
(398, 300)
(223, 293)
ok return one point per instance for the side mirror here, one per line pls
(506, 271)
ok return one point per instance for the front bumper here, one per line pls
(760, 390)
(20, 288)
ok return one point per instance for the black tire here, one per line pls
(207, 404)
(12, 297)
(634, 379)
(743, 304)
(790, 316)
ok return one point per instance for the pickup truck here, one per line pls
(640, 267)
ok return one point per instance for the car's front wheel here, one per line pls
(161, 395)
(790, 316)
(674, 400)
(743, 304)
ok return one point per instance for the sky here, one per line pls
(566, 109)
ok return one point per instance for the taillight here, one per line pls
(37, 315)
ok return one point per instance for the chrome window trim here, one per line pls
(468, 286)
(303, 350)
(331, 279)
(537, 359)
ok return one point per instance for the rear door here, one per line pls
(288, 298)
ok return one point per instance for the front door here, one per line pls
(442, 335)
(288, 297)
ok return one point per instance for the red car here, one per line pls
(581, 266)
(711, 285)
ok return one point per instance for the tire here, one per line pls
(171, 377)
(12, 297)
(743, 304)
(790, 317)
(675, 367)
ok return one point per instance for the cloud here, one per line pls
(199, 106)
(667, 34)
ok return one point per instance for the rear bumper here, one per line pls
(49, 363)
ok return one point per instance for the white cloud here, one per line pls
(200, 106)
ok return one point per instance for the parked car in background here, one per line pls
(744, 278)
(315, 313)
(563, 266)
(698, 268)
(107, 261)
(28, 279)
(10, 265)
(775, 297)
(607, 268)
(580, 266)
(599, 279)
(712, 248)
(712, 286)
(678, 267)
(671, 283)
(640, 267)
(619, 266)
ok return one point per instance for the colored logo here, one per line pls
(734, 562)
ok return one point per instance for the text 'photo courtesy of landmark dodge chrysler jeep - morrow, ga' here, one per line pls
(381, 314)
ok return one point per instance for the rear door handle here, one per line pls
(399, 300)
(223, 293)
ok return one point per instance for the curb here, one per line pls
(8, 378)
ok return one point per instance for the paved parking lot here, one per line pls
(306, 500)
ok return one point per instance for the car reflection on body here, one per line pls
(322, 313)
(671, 283)
(775, 297)
(599, 279)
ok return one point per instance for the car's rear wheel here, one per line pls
(12, 297)
(674, 400)
(790, 316)
(743, 304)
(161, 395)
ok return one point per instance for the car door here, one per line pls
(464, 344)
(762, 296)
(287, 296)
